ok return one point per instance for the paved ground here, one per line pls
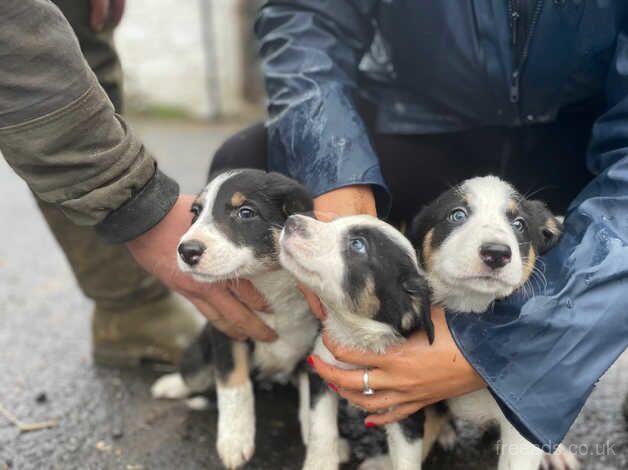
(107, 419)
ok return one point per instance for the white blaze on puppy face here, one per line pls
(366, 274)
(315, 251)
(222, 258)
(479, 242)
(458, 258)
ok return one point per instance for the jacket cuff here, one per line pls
(142, 212)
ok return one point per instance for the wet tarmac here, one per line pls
(106, 418)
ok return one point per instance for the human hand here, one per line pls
(105, 13)
(349, 200)
(406, 378)
(228, 306)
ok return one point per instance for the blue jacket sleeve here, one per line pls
(311, 51)
(542, 357)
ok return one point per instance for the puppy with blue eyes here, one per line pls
(237, 220)
(478, 243)
(366, 275)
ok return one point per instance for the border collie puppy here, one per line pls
(477, 243)
(366, 275)
(237, 219)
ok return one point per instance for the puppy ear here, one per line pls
(546, 226)
(419, 294)
(294, 198)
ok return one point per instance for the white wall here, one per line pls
(160, 43)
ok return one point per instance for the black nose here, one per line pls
(191, 251)
(295, 225)
(495, 255)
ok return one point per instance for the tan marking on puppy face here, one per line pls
(407, 320)
(552, 226)
(513, 207)
(403, 227)
(428, 252)
(528, 266)
(240, 373)
(367, 304)
(237, 199)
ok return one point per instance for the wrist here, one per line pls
(348, 200)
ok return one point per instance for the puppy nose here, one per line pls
(191, 251)
(495, 255)
(295, 225)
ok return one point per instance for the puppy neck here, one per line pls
(458, 299)
(359, 333)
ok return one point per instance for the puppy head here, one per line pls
(363, 270)
(237, 219)
(479, 242)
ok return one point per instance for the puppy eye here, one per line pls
(457, 215)
(196, 210)
(246, 213)
(519, 224)
(358, 245)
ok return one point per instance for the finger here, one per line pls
(217, 321)
(314, 302)
(249, 295)
(349, 379)
(98, 14)
(392, 416)
(237, 314)
(381, 400)
(117, 10)
(353, 356)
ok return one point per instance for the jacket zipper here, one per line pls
(517, 12)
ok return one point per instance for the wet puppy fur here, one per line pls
(236, 223)
(367, 277)
(476, 243)
(479, 242)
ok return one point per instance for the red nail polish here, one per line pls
(370, 425)
(333, 387)
(310, 361)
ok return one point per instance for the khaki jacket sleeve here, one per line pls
(59, 131)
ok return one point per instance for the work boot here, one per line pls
(136, 318)
(155, 332)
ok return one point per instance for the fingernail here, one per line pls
(310, 361)
(333, 387)
(370, 424)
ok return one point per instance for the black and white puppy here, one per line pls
(237, 219)
(477, 243)
(366, 275)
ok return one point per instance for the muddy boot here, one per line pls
(136, 318)
(155, 332)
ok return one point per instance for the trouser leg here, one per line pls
(107, 274)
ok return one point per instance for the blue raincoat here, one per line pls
(446, 65)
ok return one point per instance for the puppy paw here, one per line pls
(235, 451)
(236, 425)
(562, 459)
(447, 437)
(170, 386)
(379, 462)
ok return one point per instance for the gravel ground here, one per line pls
(106, 418)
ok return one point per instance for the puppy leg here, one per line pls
(405, 442)
(561, 459)
(322, 452)
(515, 451)
(304, 405)
(236, 404)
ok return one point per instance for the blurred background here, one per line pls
(192, 58)
(191, 80)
